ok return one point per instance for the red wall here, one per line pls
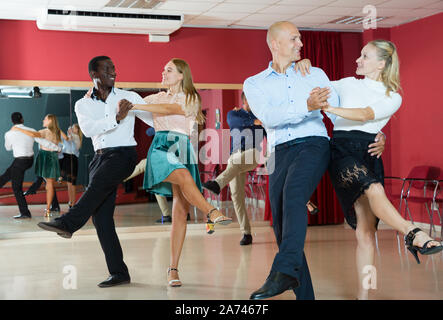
(215, 55)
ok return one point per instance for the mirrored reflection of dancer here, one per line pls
(69, 164)
(366, 106)
(21, 145)
(172, 167)
(47, 164)
(111, 127)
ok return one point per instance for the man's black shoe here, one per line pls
(27, 193)
(276, 284)
(22, 216)
(247, 239)
(55, 226)
(55, 209)
(212, 186)
(164, 219)
(114, 280)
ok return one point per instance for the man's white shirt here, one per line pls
(97, 119)
(22, 145)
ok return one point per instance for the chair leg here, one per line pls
(408, 211)
(431, 219)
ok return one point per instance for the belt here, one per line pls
(104, 150)
(24, 158)
(289, 143)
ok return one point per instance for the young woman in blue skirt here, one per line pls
(172, 166)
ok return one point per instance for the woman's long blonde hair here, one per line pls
(54, 127)
(80, 133)
(192, 96)
(390, 75)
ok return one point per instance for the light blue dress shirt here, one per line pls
(279, 101)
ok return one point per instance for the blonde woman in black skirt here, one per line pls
(366, 106)
(47, 164)
(172, 166)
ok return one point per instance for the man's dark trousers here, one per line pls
(299, 166)
(16, 173)
(106, 171)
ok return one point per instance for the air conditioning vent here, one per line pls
(65, 13)
(111, 21)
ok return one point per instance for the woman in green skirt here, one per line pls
(172, 166)
(47, 164)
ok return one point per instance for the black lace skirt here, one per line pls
(353, 169)
(69, 168)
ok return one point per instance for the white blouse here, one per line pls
(362, 93)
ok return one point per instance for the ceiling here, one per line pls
(306, 14)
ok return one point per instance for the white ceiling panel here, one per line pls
(305, 2)
(269, 17)
(406, 3)
(211, 22)
(333, 11)
(314, 19)
(222, 15)
(435, 5)
(251, 1)
(187, 6)
(76, 3)
(249, 24)
(238, 7)
(405, 12)
(277, 9)
(205, 1)
(356, 3)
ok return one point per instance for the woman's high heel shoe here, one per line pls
(409, 239)
(214, 216)
(48, 213)
(314, 208)
(173, 282)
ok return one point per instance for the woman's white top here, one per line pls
(362, 93)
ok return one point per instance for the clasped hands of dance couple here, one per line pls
(214, 216)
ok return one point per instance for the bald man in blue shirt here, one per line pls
(282, 100)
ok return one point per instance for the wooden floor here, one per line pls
(36, 264)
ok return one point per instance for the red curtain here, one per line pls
(324, 49)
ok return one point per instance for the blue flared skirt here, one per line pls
(169, 151)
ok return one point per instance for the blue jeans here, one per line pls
(299, 166)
